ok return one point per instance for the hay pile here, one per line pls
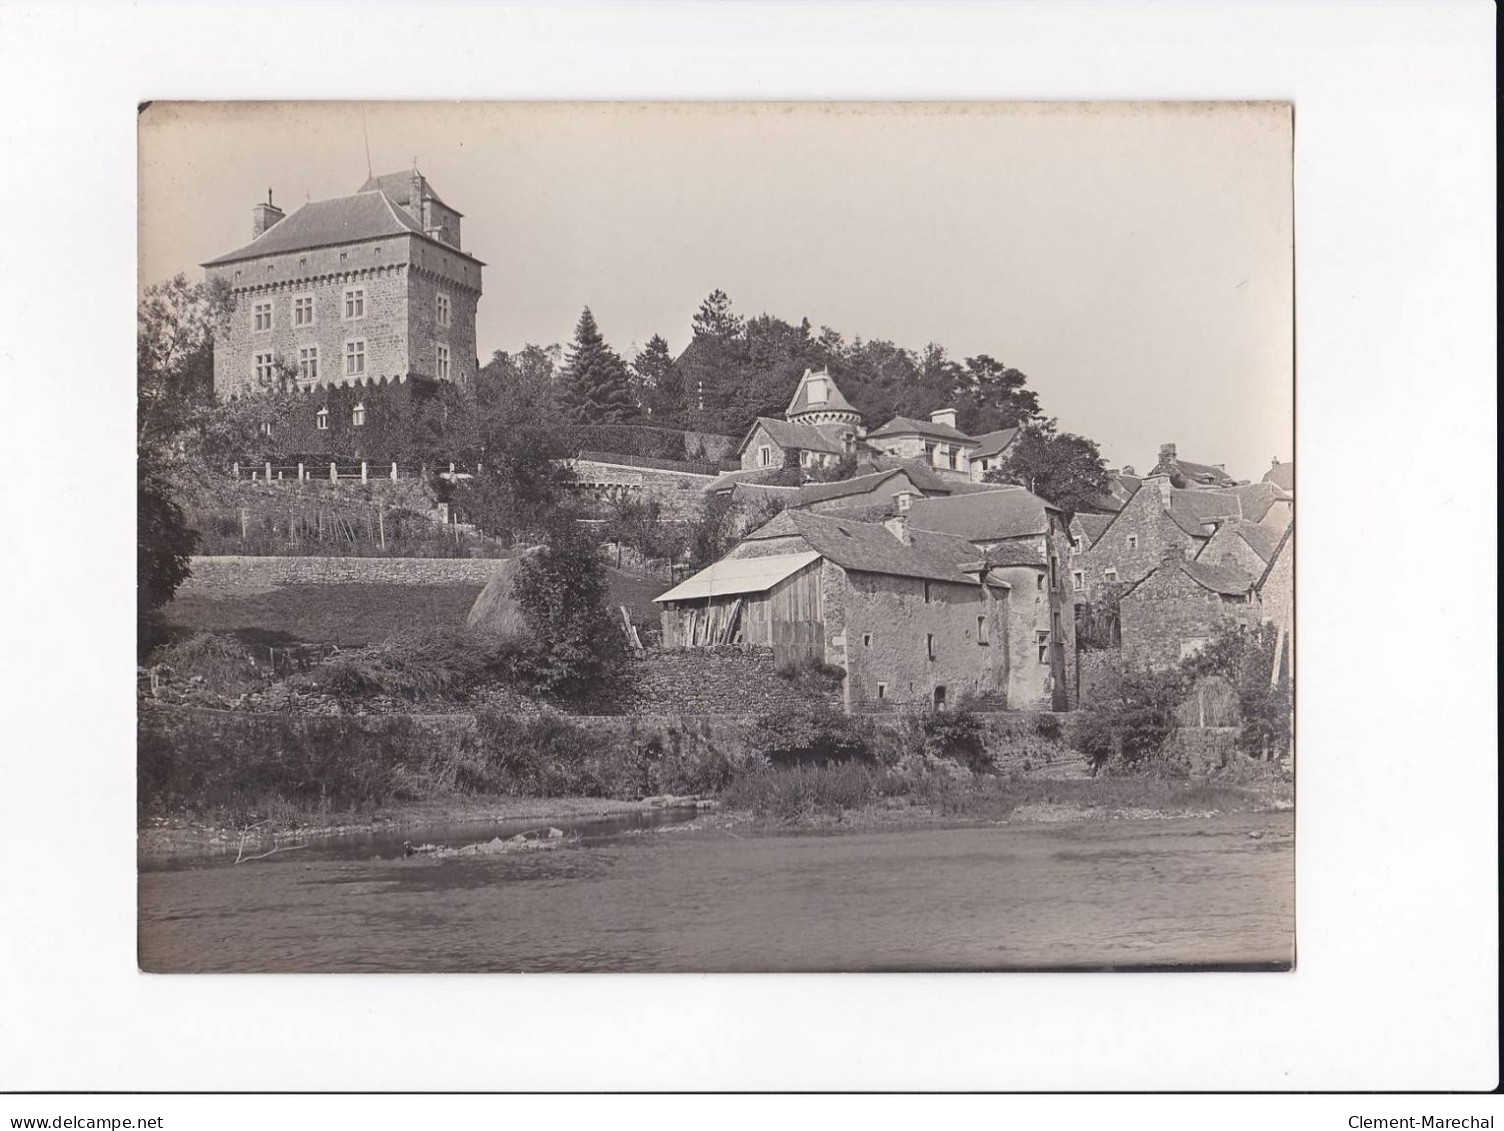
(496, 610)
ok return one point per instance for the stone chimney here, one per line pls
(1166, 455)
(263, 216)
(946, 416)
(416, 192)
(898, 526)
(1161, 483)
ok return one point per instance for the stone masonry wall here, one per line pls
(723, 680)
(1168, 613)
(272, 573)
(1144, 519)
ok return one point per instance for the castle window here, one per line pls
(1042, 642)
(926, 592)
(443, 369)
(982, 631)
(261, 317)
(308, 364)
(358, 415)
(264, 368)
(302, 310)
(929, 644)
(355, 303)
(321, 420)
(442, 304)
(1133, 541)
(355, 357)
(344, 256)
(303, 263)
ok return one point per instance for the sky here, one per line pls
(1134, 260)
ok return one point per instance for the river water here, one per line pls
(624, 895)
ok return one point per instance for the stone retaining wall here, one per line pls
(727, 680)
(272, 573)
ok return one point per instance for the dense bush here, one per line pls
(1128, 716)
(221, 662)
(959, 735)
(1246, 659)
(418, 665)
(802, 792)
(811, 734)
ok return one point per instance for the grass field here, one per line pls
(355, 614)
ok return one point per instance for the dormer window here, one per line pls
(903, 502)
(321, 420)
(819, 391)
(358, 415)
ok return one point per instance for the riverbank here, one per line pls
(784, 804)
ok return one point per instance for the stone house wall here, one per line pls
(400, 276)
(888, 624)
(1144, 519)
(1227, 548)
(1168, 615)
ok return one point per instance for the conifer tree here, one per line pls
(596, 388)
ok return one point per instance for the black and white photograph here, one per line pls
(674, 537)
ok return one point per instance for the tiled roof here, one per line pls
(1282, 475)
(804, 437)
(1092, 525)
(1257, 498)
(984, 516)
(1222, 580)
(857, 485)
(802, 402)
(1260, 539)
(345, 219)
(991, 443)
(920, 473)
(872, 548)
(907, 426)
(1203, 506)
(398, 186)
(1286, 539)
(757, 475)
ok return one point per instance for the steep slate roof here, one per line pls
(907, 426)
(871, 548)
(1191, 509)
(984, 516)
(992, 443)
(1093, 525)
(322, 223)
(1260, 539)
(1257, 498)
(1282, 475)
(1221, 580)
(805, 437)
(1282, 547)
(857, 485)
(399, 186)
(801, 402)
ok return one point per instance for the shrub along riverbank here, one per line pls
(808, 766)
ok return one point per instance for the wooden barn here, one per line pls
(772, 600)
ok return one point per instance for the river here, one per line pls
(624, 895)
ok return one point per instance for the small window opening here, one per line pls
(929, 644)
(982, 630)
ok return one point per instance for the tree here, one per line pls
(574, 643)
(1245, 657)
(660, 390)
(1061, 467)
(175, 324)
(523, 485)
(596, 389)
(993, 396)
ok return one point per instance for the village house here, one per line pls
(349, 291)
(1190, 476)
(937, 441)
(991, 450)
(915, 618)
(1028, 540)
(818, 429)
(1177, 607)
